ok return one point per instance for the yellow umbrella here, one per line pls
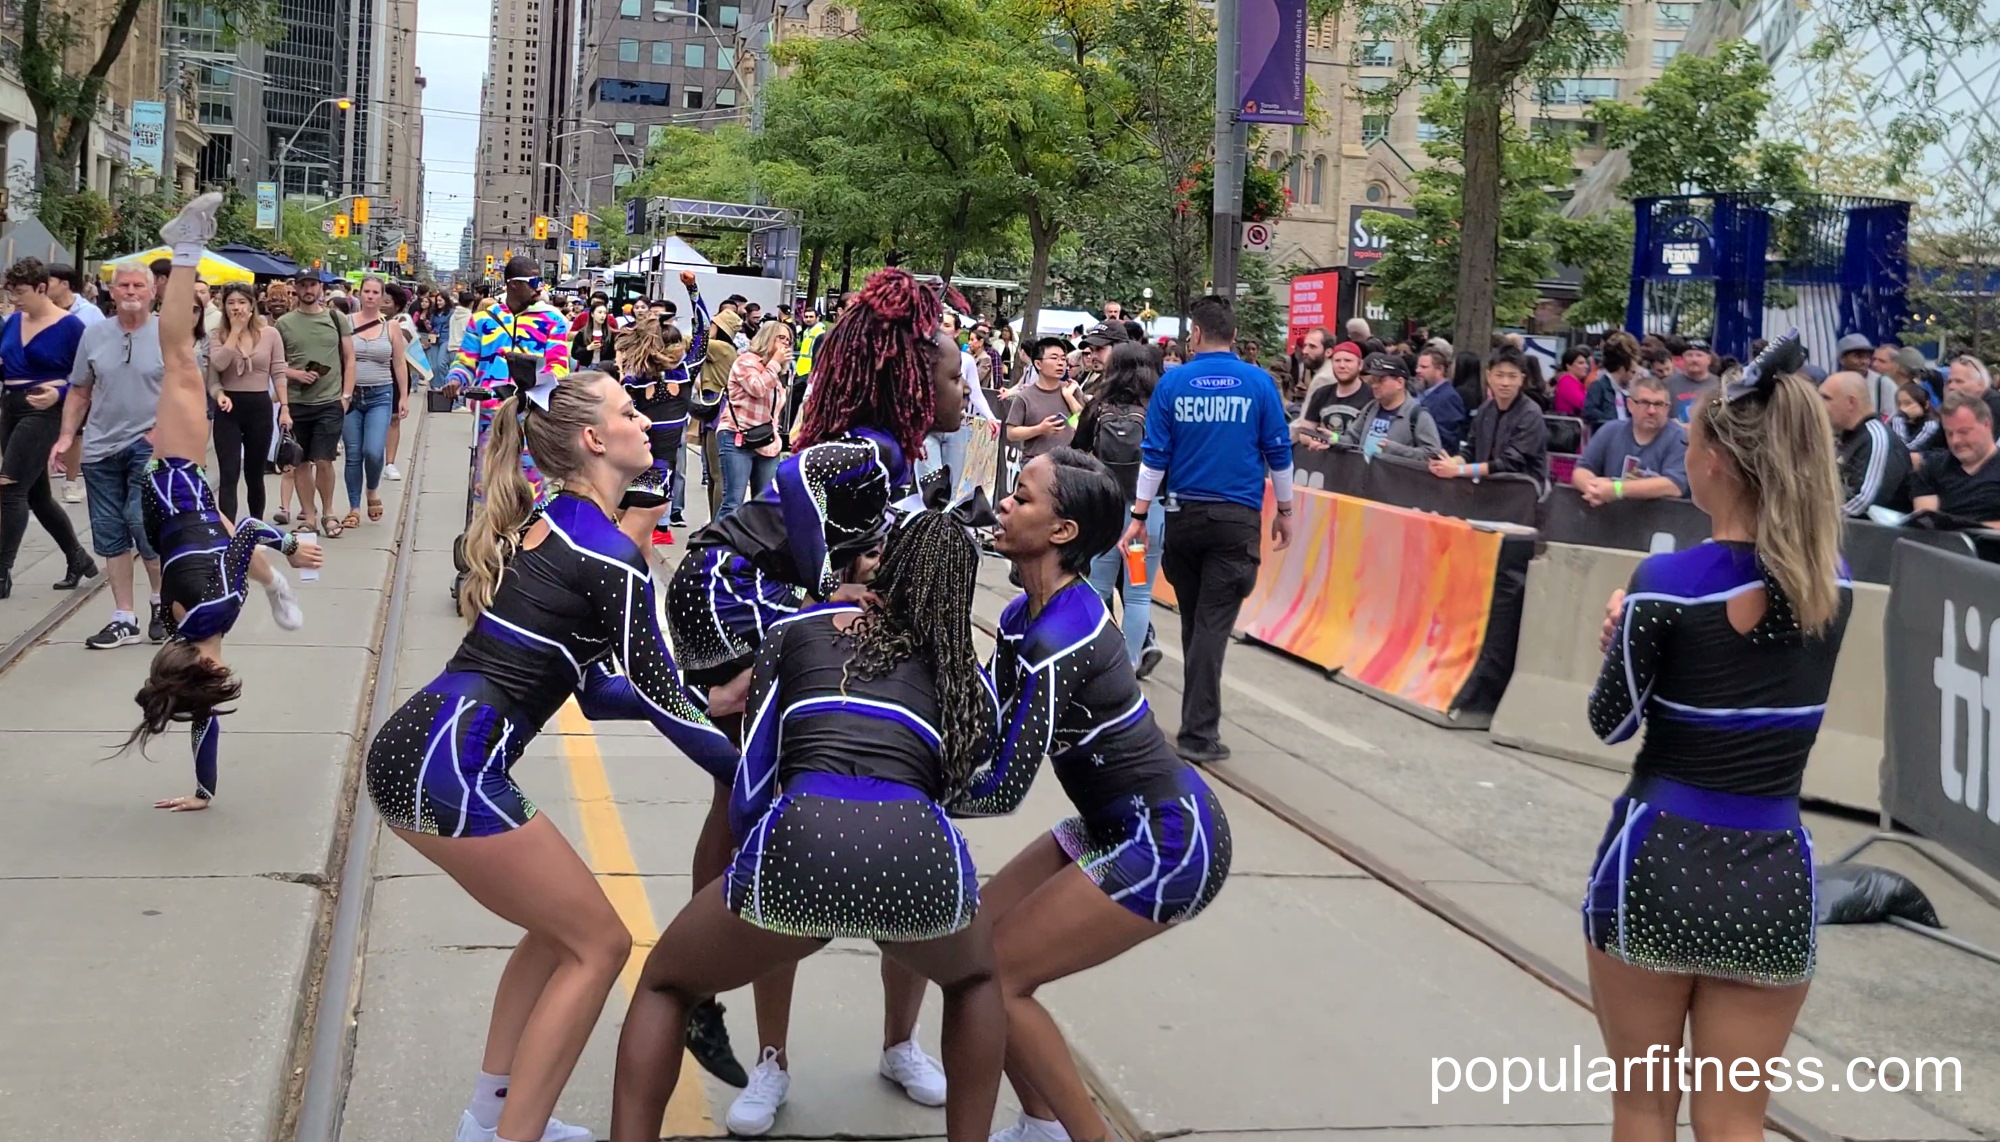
(214, 269)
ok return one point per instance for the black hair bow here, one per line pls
(1785, 355)
(973, 512)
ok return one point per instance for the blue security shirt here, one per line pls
(1215, 426)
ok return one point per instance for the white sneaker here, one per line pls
(469, 1130)
(756, 1109)
(195, 223)
(389, 472)
(284, 603)
(72, 491)
(1026, 1129)
(906, 1065)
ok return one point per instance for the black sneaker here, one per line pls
(677, 520)
(1202, 753)
(116, 633)
(708, 1041)
(157, 628)
(1149, 658)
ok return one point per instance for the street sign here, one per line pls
(326, 225)
(1257, 237)
(583, 244)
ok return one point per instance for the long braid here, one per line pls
(926, 583)
(873, 368)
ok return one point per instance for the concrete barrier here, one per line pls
(1544, 707)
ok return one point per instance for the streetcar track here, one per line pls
(324, 1054)
(1537, 967)
(68, 604)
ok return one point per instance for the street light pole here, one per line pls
(1231, 136)
(338, 101)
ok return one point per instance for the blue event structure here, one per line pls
(1736, 267)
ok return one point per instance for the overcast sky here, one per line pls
(451, 50)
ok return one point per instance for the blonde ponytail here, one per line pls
(554, 437)
(1783, 447)
(495, 534)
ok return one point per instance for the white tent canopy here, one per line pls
(671, 253)
(1059, 322)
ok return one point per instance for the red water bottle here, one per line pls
(1135, 564)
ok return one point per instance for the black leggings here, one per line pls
(242, 448)
(27, 435)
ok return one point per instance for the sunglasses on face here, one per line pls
(532, 283)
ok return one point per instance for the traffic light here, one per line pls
(541, 229)
(489, 264)
(340, 226)
(403, 252)
(579, 226)
(360, 210)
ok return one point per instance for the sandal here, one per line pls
(374, 510)
(330, 527)
(280, 518)
(351, 520)
(304, 527)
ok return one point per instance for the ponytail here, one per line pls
(495, 534)
(552, 434)
(1783, 447)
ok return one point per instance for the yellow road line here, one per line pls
(610, 856)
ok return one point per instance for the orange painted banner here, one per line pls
(1397, 600)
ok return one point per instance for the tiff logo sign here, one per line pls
(1976, 690)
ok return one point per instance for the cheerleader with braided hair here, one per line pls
(883, 377)
(865, 721)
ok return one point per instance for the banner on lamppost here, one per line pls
(1271, 62)
(149, 135)
(267, 206)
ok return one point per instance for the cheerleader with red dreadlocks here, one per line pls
(883, 376)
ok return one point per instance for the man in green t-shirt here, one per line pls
(319, 368)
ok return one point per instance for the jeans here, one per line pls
(364, 434)
(1212, 550)
(946, 450)
(744, 474)
(1108, 569)
(115, 488)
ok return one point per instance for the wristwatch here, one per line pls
(1138, 515)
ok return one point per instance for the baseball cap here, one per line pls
(1854, 343)
(1699, 345)
(1347, 347)
(1385, 365)
(1105, 333)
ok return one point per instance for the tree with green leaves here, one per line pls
(64, 58)
(1420, 272)
(1489, 51)
(1697, 129)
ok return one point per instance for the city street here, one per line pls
(1402, 903)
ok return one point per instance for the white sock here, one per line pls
(190, 254)
(489, 1094)
(156, 600)
(1047, 1128)
(125, 617)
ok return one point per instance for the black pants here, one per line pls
(243, 438)
(27, 436)
(1210, 557)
